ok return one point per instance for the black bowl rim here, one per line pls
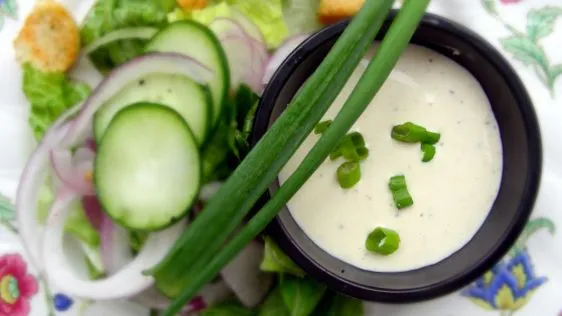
(273, 90)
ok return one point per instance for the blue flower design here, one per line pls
(62, 302)
(508, 286)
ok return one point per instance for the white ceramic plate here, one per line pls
(528, 32)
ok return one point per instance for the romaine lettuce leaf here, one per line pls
(275, 260)
(268, 16)
(205, 16)
(50, 94)
(109, 15)
(301, 16)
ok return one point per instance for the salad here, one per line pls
(141, 113)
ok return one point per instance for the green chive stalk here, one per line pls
(377, 72)
(226, 210)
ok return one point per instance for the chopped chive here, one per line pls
(402, 198)
(431, 138)
(413, 133)
(355, 154)
(383, 241)
(351, 147)
(400, 195)
(322, 127)
(408, 133)
(357, 139)
(428, 152)
(397, 182)
(349, 174)
(363, 153)
(335, 154)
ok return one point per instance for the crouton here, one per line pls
(49, 39)
(190, 5)
(332, 11)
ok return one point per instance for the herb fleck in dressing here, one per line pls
(453, 193)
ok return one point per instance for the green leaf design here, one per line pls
(531, 228)
(555, 71)
(540, 22)
(7, 211)
(301, 295)
(525, 51)
(490, 6)
(10, 8)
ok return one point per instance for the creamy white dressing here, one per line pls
(452, 194)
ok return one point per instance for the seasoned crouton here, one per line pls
(49, 39)
(331, 11)
(189, 5)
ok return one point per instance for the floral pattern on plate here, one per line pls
(509, 288)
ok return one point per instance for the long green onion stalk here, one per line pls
(226, 210)
(376, 73)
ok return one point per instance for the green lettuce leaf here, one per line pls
(109, 15)
(80, 226)
(274, 305)
(228, 309)
(334, 304)
(50, 94)
(229, 143)
(275, 260)
(301, 295)
(301, 16)
(268, 16)
(205, 16)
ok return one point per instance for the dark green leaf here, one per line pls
(50, 94)
(540, 22)
(274, 305)
(276, 261)
(109, 15)
(301, 295)
(334, 304)
(531, 228)
(526, 51)
(229, 143)
(228, 309)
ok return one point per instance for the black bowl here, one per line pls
(522, 159)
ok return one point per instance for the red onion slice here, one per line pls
(281, 54)
(247, 57)
(74, 172)
(126, 282)
(250, 27)
(93, 211)
(31, 181)
(244, 277)
(209, 295)
(115, 250)
(169, 63)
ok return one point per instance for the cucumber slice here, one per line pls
(147, 170)
(191, 100)
(195, 40)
